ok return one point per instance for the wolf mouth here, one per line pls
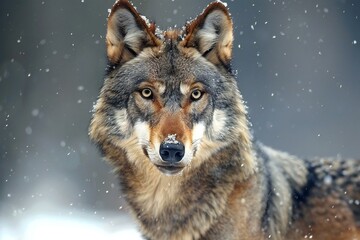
(170, 169)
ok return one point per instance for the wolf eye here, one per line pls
(146, 93)
(196, 94)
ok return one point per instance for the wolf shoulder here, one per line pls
(329, 174)
(320, 192)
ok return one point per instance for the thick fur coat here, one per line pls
(172, 122)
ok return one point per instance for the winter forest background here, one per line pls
(297, 64)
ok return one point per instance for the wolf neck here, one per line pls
(188, 198)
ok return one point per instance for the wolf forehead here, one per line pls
(168, 68)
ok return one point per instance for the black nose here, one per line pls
(172, 152)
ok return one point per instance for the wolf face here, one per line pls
(169, 97)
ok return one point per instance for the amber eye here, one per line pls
(146, 93)
(196, 94)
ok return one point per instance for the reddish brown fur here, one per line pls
(325, 217)
(194, 25)
(221, 54)
(120, 54)
(171, 124)
(149, 30)
(173, 35)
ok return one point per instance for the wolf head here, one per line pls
(169, 98)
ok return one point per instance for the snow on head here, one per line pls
(223, 3)
(171, 138)
(147, 21)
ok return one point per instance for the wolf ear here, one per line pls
(211, 33)
(127, 33)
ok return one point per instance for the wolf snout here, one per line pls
(172, 152)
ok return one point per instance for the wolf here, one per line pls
(171, 121)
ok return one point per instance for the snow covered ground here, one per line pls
(81, 226)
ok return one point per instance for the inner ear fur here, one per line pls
(211, 33)
(127, 33)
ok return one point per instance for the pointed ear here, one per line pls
(211, 33)
(127, 33)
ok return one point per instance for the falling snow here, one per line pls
(296, 64)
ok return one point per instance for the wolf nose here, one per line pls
(172, 152)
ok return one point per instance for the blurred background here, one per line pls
(297, 64)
